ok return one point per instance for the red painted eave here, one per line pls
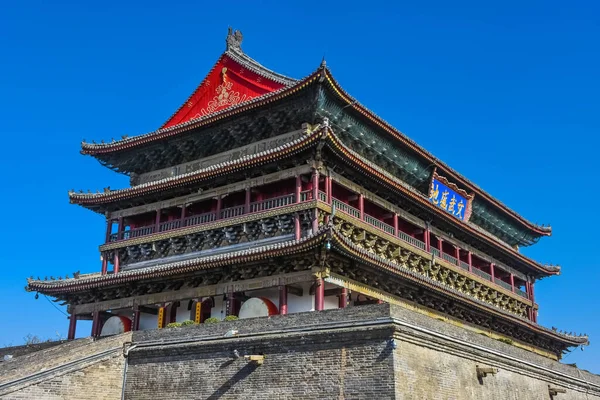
(251, 83)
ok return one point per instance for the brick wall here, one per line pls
(80, 369)
(346, 364)
(335, 354)
(17, 351)
(99, 381)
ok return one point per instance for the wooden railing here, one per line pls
(505, 285)
(464, 266)
(345, 208)
(275, 202)
(411, 240)
(521, 293)
(132, 233)
(232, 212)
(379, 224)
(307, 195)
(450, 259)
(482, 274)
(167, 226)
(200, 219)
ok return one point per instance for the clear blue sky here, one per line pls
(506, 94)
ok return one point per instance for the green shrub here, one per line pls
(187, 322)
(231, 318)
(174, 325)
(211, 320)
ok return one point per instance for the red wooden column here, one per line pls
(104, 264)
(247, 201)
(298, 188)
(427, 238)
(470, 259)
(219, 206)
(328, 189)
(116, 264)
(396, 225)
(315, 196)
(95, 323)
(172, 308)
(135, 321)
(183, 211)
(315, 184)
(440, 243)
(532, 293)
(72, 327)
(343, 299)
(319, 294)
(109, 223)
(157, 221)
(492, 272)
(457, 254)
(297, 199)
(283, 308)
(361, 206)
(512, 282)
(120, 228)
(230, 306)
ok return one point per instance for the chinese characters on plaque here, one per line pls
(448, 199)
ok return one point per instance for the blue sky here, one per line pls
(506, 94)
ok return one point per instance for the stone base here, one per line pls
(370, 352)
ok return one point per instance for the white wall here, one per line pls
(297, 304)
(148, 321)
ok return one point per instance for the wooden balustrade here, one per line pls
(414, 241)
(379, 224)
(199, 219)
(345, 208)
(232, 212)
(274, 202)
(307, 195)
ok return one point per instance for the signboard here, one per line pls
(450, 198)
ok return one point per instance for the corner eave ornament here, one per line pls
(234, 40)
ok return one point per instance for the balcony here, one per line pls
(367, 212)
(199, 219)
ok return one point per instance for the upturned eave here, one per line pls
(336, 242)
(442, 167)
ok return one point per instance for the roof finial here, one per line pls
(234, 40)
(323, 62)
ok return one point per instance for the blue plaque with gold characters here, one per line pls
(450, 198)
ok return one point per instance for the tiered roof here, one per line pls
(320, 134)
(255, 87)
